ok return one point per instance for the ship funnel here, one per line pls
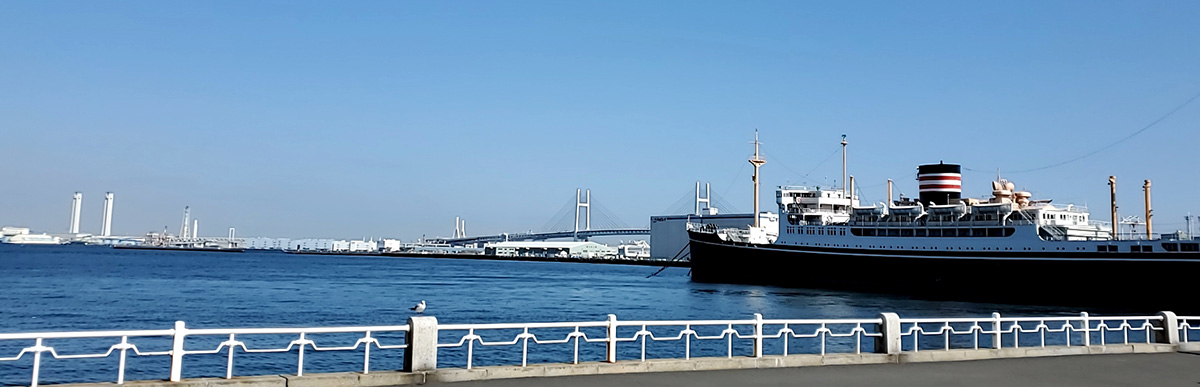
(940, 183)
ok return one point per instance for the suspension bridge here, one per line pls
(575, 221)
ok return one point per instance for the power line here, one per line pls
(1123, 139)
(814, 169)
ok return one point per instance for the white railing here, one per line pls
(755, 331)
(1187, 326)
(606, 340)
(1082, 330)
(124, 345)
(129, 340)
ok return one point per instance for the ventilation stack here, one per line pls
(940, 183)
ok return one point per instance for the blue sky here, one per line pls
(388, 119)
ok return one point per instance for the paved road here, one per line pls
(1160, 369)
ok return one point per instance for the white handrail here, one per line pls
(763, 336)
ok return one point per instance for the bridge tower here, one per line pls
(706, 199)
(584, 202)
(460, 227)
(76, 204)
(183, 229)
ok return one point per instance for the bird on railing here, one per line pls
(419, 308)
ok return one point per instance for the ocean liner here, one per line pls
(1009, 244)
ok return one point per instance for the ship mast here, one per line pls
(844, 164)
(1149, 212)
(756, 162)
(1112, 186)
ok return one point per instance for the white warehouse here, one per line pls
(267, 243)
(550, 249)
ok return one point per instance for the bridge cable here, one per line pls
(724, 204)
(558, 219)
(682, 206)
(735, 178)
(610, 219)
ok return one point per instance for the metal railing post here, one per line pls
(611, 351)
(997, 337)
(1169, 325)
(177, 351)
(420, 354)
(758, 335)
(1087, 329)
(889, 328)
(37, 361)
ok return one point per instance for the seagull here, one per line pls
(419, 308)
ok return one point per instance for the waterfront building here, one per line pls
(361, 246)
(389, 245)
(10, 231)
(550, 249)
(267, 243)
(311, 245)
(634, 250)
(32, 239)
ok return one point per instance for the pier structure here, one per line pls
(433, 351)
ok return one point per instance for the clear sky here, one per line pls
(390, 118)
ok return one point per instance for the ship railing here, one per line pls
(610, 340)
(171, 343)
(1023, 332)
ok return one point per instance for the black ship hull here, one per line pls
(1064, 278)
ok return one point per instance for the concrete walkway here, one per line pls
(1157, 369)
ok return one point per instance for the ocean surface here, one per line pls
(75, 288)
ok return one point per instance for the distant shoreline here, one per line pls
(488, 257)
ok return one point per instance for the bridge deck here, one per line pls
(1159, 369)
(542, 236)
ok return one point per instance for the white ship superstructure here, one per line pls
(939, 242)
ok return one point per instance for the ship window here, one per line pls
(921, 232)
(1009, 231)
(978, 232)
(1189, 247)
(1134, 249)
(906, 233)
(1170, 246)
(893, 232)
(1102, 249)
(995, 232)
(1147, 249)
(964, 232)
(935, 232)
